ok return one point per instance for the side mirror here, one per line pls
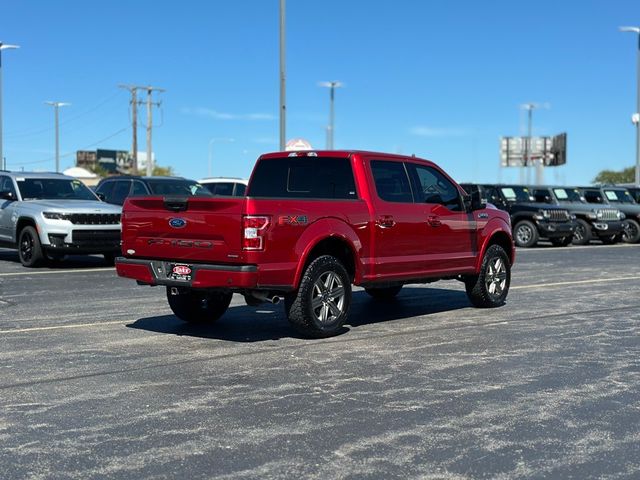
(101, 196)
(474, 200)
(7, 195)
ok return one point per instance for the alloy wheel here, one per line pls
(328, 298)
(496, 277)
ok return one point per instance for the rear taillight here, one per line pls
(254, 228)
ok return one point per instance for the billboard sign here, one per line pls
(525, 151)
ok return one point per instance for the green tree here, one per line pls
(610, 176)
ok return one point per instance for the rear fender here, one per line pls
(321, 230)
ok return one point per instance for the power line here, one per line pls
(73, 153)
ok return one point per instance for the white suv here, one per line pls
(49, 215)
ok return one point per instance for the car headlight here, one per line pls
(599, 214)
(572, 217)
(542, 214)
(621, 216)
(592, 215)
(55, 215)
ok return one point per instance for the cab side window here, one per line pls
(6, 185)
(434, 187)
(392, 181)
(493, 196)
(138, 189)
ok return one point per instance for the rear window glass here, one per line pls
(303, 177)
(177, 187)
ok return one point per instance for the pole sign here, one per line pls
(525, 151)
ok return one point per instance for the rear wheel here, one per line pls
(582, 235)
(526, 234)
(321, 305)
(632, 232)
(490, 287)
(385, 293)
(29, 248)
(198, 306)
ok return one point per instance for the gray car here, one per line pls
(46, 216)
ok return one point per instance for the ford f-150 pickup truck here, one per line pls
(312, 224)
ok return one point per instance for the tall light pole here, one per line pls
(539, 167)
(636, 115)
(56, 106)
(283, 105)
(330, 129)
(3, 46)
(211, 142)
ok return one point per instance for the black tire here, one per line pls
(562, 241)
(525, 234)
(610, 239)
(383, 293)
(198, 306)
(490, 288)
(632, 232)
(109, 258)
(582, 235)
(29, 248)
(321, 305)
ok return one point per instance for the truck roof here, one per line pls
(340, 154)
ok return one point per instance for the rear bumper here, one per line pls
(154, 272)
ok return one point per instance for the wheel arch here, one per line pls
(25, 222)
(502, 237)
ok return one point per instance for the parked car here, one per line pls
(603, 223)
(233, 187)
(620, 198)
(49, 215)
(530, 221)
(116, 189)
(313, 224)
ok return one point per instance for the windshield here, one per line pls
(54, 189)
(567, 195)
(177, 187)
(619, 196)
(516, 194)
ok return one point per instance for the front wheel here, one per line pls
(490, 287)
(198, 306)
(632, 232)
(526, 234)
(29, 248)
(321, 305)
(582, 235)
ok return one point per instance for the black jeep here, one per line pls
(620, 198)
(529, 221)
(604, 224)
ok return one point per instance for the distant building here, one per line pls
(87, 177)
(113, 161)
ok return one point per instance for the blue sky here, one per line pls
(443, 80)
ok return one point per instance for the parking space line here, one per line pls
(50, 272)
(59, 327)
(576, 282)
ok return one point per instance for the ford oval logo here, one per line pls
(177, 222)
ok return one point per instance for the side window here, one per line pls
(105, 189)
(492, 195)
(392, 182)
(434, 187)
(6, 185)
(222, 188)
(239, 190)
(593, 196)
(138, 189)
(120, 192)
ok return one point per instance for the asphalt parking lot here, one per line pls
(99, 380)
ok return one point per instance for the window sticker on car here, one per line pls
(611, 195)
(509, 193)
(561, 193)
(20, 179)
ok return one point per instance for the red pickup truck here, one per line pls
(312, 224)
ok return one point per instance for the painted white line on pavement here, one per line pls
(57, 327)
(50, 272)
(577, 282)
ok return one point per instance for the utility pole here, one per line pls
(150, 104)
(56, 106)
(3, 46)
(331, 128)
(636, 116)
(133, 89)
(283, 107)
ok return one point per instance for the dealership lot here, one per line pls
(98, 379)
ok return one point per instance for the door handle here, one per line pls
(434, 221)
(385, 221)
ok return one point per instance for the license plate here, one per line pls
(180, 272)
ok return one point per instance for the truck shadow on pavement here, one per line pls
(268, 322)
(70, 261)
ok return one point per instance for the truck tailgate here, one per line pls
(196, 229)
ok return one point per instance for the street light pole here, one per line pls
(56, 106)
(636, 116)
(211, 142)
(3, 46)
(330, 129)
(283, 107)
